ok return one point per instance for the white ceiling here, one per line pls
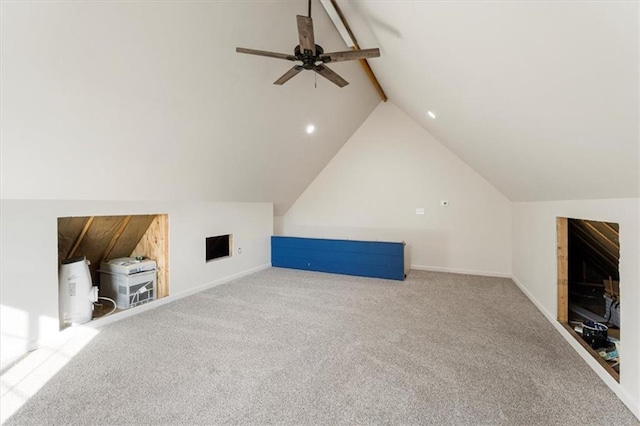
(540, 98)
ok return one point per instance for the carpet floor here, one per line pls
(293, 347)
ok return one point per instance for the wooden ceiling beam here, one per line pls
(363, 62)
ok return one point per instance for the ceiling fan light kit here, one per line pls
(312, 55)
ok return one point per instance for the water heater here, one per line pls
(76, 294)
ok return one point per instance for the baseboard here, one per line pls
(223, 281)
(173, 297)
(597, 368)
(461, 271)
(101, 322)
(11, 355)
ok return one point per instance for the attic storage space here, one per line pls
(588, 287)
(102, 238)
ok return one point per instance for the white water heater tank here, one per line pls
(76, 294)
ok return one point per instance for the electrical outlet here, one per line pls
(239, 250)
(444, 203)
(420, 211)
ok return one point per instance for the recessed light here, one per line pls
(432, 115)
(310, 129)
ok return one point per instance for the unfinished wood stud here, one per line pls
(563, 269)
(116, 237)
(86, 227)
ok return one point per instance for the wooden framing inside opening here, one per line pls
(562, 226)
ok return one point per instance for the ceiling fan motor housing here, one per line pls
(308, 60)
(310, 53)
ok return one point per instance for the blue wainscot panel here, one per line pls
(362, 258)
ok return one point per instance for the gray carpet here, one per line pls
(292, 347)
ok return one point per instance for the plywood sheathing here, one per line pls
(154, 244)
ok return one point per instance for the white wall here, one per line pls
(153, 93)
(535, 270)
(29, 255)
(390, 166)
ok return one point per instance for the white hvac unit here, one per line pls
(129, 281)
(76, 294)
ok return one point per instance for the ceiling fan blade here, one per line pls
(288, 75)
(265, 53)
(327, 73)
(305, 32)
(350, 55)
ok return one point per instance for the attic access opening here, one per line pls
(100, 238)
(588, 287)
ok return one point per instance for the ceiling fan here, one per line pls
(311, 55)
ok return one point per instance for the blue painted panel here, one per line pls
(362, 258)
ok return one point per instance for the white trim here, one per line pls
(595, 366)
(12, 354)
(100, 322)
(461, 271)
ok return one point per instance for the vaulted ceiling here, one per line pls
(149, 100)
(540, 98)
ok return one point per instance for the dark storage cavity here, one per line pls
(589, 287)
(217, 247)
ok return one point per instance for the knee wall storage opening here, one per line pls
(100, 238)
